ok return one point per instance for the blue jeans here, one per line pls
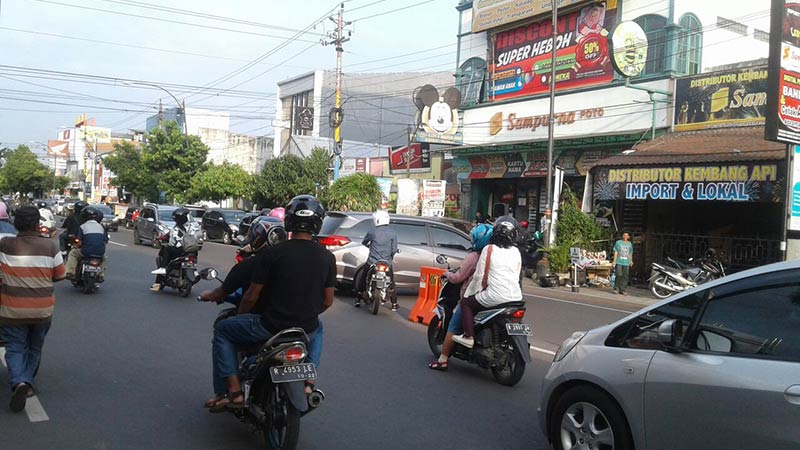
(455, 326)
(23, 351)
(242, 330)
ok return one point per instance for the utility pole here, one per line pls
(408, 152)
(94, 163)
(548, 212)
(337, 38)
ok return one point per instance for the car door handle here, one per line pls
(792, 394)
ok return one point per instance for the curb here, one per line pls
(588, 294)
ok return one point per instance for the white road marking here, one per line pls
(542, 350)
(117, 243)
(33, 407)
(582, 304)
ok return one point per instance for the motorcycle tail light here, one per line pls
(239, 258)
(292, 354)
(517, 315)
(190, 259)
(334, 241)
(383, 268)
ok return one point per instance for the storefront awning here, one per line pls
(721, 145)
(588, 142)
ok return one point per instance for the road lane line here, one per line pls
(542, 350)
(116, 243)
(33, 407)
(582, 304)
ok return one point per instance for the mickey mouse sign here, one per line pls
(438, 119)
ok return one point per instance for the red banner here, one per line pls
(417, 160)
(522, 56)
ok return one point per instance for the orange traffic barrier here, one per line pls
(429, 287)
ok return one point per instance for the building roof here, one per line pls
(719, 145)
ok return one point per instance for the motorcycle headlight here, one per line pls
(568, 344)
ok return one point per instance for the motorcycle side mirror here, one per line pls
(240, 239)
(150, 219)
(208, 273)
(668, 333)
(441, 259)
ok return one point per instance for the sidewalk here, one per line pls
(637, 298)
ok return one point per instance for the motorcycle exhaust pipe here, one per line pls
(669, 288)
(315, 398)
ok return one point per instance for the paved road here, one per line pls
(129, 369)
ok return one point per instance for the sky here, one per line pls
(193, 56)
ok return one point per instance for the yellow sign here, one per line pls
(487, 14)
(767, 172)
(629, 45)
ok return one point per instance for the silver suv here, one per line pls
(716, 367)
(420, 240)
(154, 221)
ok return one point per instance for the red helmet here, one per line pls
(524, 224)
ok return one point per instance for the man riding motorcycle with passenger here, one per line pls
(92, 240)
(293, 282)
(173, 248)
(382, 243)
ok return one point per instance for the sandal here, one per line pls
(438, 365)
(228, 402)
(211, 402)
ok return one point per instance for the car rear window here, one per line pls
(338, 226)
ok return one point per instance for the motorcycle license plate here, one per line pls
(519, 329)
(294, 372)
(91, 269)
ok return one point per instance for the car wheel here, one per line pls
(226, 238)
(587, 418)
(136, 239)
(205, 235)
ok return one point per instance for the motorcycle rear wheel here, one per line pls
(376, 301)
(657, 291)
(513, 371)
(283, 435)
(436, 336)
(185, 291)
(88, 285)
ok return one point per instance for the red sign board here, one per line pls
(419, 157)
(522, 56)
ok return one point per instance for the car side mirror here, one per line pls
(150, 219)
(441, 259)
(668, 333)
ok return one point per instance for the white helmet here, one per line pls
(380, 218)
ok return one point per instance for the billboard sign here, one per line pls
(629, 47)
(731, 98)
(97, 135)
(408, 197)
(418, 159)
(433, 197)
(783, 114)
(522, 56)
(487, 14)
(58, 149)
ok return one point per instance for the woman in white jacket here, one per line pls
(496, 278)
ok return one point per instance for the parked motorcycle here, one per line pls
(273, 376)
(379, 283)
(666, 281)
(531, 251)
(501, 339)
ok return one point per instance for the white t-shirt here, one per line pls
(503, 282)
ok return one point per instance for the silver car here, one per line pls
(420, 240)
(714, 368)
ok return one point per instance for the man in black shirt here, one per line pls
(293, 283)
(71, 224)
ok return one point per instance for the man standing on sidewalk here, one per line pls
(623, 261)
(29, 264)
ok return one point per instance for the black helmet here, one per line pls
(180, 216)
(78, 206)
(41, 205)
(505, 232)
(304, 213)
(265, 232)
(91, 213)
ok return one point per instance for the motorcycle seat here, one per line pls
(509, 305)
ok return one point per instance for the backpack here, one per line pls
(190, 242)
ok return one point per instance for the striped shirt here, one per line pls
(29, 264)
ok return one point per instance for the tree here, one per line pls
(220, 182)
(60, 183)
(24, 173)
(573, 229)
(357, 192)
(173, 158)
(316, 170)
(130, 172)
(281, 179)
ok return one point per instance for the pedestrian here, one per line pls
(30, 264)
(622, 262)
(6, 229)
(479, 218)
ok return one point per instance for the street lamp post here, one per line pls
(181, 104)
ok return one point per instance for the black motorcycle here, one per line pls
(89, 274)
(273, 376)
(379, 285)
(669, 279)
(501, 339)
(531, 251)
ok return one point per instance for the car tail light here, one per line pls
(334, 241)
(292, 354)
(383, 268)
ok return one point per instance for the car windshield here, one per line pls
(233, 216)
(104, 209)
(165, 215)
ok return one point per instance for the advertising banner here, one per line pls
(96, 134)
(433, 197)
(783, 114)
(751, 182)
(732, 98)
(487, 14)
(408, 197)
(794, 204)
(386, 190)
(353, 165)
(522, 56)
(419, 157)
(531, 164)
(58, 149)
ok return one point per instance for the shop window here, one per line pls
(470, 80)
(690, 45)
(655, 27)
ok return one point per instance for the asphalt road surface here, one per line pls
(127, 368)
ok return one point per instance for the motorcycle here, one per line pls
(666, 281)
(273, 376)
(531, 250)
(379, 282)
(501, 339)
(181, 272)
(89, 274)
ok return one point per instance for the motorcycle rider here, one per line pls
(294, 281)
(6, 229)
(71, 224)
(481, 234)
(496, 278)
(173, 249)
(46, 216)
(93, 239)
(382, 243)
(278, 213)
